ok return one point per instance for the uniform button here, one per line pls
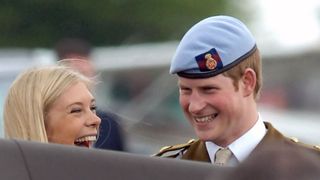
(317, 147)
(294, 139)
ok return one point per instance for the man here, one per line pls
(219, 77)
(75, 53)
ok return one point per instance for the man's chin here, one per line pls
(204, 136)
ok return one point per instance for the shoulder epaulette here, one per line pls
(174, 150)
(317, 147)
(296, 140)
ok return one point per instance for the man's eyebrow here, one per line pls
(181, 85)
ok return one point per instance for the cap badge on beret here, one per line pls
(209, 61)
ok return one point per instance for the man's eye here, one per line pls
(184, 89)
(75, 110)
(209, 89)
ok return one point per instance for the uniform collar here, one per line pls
(243, 146)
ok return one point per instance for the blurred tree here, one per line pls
(38, 23)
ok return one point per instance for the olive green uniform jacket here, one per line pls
(196, 149)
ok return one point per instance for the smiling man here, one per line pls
(219, 77)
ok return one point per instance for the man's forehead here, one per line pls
(200, 82)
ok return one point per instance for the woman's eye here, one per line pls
(75, 110)
(93, 108)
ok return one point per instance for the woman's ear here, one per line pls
(249, 80)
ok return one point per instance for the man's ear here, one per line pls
(249, 80)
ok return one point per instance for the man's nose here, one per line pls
(196, 103)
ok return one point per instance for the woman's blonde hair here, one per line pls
(30, 97)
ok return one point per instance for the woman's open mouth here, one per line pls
(86, 141)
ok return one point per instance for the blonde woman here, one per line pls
(51, 104)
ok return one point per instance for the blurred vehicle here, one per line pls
(26, 160)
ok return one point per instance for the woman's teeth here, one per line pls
(206, 119)
(86, 141)
(86, 138)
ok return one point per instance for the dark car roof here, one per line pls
(38, 161)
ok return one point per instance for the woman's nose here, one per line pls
(94, 120)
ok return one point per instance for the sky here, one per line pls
(288, 24)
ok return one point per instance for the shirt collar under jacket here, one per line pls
(243, 146)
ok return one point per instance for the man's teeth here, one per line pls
(205, 118)
(86, 138)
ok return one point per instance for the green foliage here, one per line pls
(40, 23)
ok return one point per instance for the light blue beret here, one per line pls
(211, 47)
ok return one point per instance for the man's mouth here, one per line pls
(86, 141)
(206, 119)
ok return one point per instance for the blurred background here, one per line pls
(131, 44)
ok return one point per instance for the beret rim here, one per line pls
(208, 74)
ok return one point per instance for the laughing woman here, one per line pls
(51, 104)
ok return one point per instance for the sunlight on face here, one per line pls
(72, 117)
